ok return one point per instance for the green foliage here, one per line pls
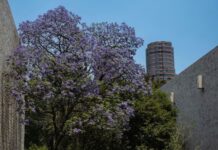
(154, 124)
(153, 127)
(35, 147)
(177, 140)
(157, 84)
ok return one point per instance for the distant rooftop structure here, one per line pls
(160, 60)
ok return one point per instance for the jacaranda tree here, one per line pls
(76, 84)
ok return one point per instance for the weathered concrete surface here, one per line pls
(198, 109)
(10, 128)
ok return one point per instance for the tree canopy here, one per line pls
(72, 77)
(80, 87)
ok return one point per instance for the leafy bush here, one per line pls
(35, 147)
(154, 123)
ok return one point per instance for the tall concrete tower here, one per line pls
(11, 131)
(160, 60)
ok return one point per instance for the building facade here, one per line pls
(195, 94)
(160, 60)
(11, 130)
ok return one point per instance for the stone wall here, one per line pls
(11, 131)
(198, 108)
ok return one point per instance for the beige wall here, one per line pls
(10, 128)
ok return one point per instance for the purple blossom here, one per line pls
(77, 130)
(127, 108)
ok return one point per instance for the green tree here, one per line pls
(154, 123)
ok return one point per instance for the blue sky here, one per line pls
(191, 25)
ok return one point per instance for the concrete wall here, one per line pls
(11, 131)
(198, 109)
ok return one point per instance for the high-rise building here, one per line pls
(160, 60)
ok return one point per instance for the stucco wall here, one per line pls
(198, 109)
(11, 131)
